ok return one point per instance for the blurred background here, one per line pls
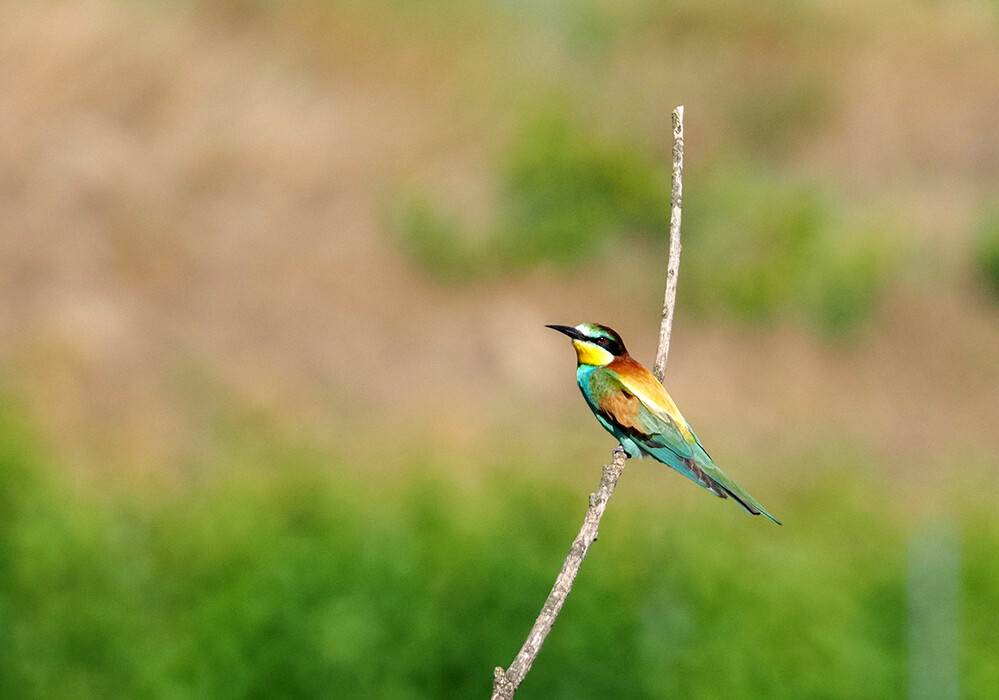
(279, 417)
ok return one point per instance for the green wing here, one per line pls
(658, 435)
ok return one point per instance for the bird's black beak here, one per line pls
(569, 331)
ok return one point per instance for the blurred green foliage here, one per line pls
(434, 240)
(566, 195)
(986, 253)
(771, 114)
(758, 246)
(569, 193)
(298, 582)
(980, 584)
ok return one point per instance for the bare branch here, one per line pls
(505, 683)
(673, 267)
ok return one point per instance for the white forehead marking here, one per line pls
(586, 328)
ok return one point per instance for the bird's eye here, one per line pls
(602, 341)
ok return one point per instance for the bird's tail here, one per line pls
(703, 471)
(742, 497)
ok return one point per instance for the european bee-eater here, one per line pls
(634, 407)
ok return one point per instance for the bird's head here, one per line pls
(595, 344)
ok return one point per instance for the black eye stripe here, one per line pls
(606, 339)
(608, 344)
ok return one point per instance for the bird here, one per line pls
(634, 407)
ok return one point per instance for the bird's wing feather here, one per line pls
(629, 398)
(656, 432)
(661, 431)
(632, 416)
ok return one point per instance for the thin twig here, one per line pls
(673, 267)
(505, 683)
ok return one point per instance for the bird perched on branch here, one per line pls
(634, 407)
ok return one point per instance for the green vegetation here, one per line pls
(297, 582)
(566, 195)
(760, 247)
(433, 240)
(987, 250)
(569, 193)
(188, 232)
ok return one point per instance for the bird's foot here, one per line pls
(620, 448)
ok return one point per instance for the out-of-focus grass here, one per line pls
(980, 612)
(986, 253)
(760, 247)
(282, 579)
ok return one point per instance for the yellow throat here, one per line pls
(588, 353)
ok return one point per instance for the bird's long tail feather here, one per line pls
(750, 504)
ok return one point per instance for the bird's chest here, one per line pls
(593, 383)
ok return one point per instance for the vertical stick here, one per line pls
(505, 683)
(934, 613)
(673, 267)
